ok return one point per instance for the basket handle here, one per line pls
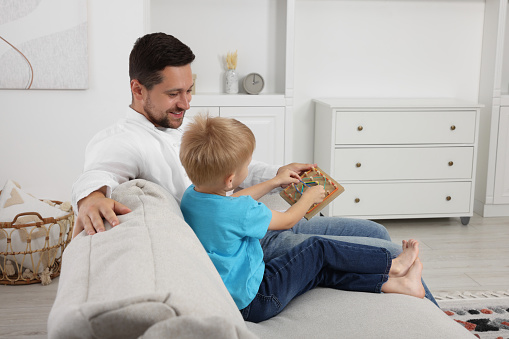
(44, 220)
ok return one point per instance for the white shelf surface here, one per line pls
(398, 102)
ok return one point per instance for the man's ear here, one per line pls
(137, 90)
(228, 182)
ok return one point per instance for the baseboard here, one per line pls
(491, 210)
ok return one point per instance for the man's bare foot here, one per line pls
(409, 284)
(406, 259)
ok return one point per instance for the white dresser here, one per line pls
(398, 158)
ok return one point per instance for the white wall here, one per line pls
(212, 28)
(43, 133)
(383, 49)
(343, 48)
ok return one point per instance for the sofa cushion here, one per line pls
(328, 313)
(149, 275)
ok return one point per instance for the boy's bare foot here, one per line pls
(406, 259)
(409, 284)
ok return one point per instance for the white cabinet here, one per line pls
(492, 191)
(267, 124)
(398, 158)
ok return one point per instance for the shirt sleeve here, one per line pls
(109, 161)
(258, 217)
(259, 172)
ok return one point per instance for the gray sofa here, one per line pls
(149, 277)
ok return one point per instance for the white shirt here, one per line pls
(133, 148)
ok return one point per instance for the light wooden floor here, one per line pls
(455, 257)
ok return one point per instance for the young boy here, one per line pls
(215, 153)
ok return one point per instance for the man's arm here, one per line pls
(93, 208)
(111, 158)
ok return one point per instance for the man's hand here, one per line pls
(296, 167)
(91, 211)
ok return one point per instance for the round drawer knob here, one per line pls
(451, 163)
(357, 200)
(453, 128)
(360, 128)
(358, 164)
(448, 198)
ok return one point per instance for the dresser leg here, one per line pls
(465, 220)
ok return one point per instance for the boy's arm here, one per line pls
(286, 220)
(257, 191)
(285, 177)
(260, 171)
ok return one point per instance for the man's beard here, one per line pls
(164, 120)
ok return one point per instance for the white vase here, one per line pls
(232, 82)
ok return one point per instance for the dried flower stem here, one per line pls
(231, 60)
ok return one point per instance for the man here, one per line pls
(146, 145)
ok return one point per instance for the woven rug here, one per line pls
(484, 314)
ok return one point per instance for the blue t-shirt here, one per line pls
(229, 229)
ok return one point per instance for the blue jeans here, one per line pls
(318, 261)
(357, 231)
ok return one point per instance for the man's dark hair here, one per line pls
(152, 53)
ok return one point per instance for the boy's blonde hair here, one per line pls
(214, 147)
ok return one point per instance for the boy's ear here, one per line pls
(228, 182)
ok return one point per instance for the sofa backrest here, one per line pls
(148, 276)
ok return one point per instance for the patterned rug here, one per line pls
(484, 314)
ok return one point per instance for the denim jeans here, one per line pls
(357, 231)
(318, 261)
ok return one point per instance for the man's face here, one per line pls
(166, 103)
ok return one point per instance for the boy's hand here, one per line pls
(295, 167)
(316, 194)
(286, 177)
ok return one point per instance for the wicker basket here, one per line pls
(37, 254)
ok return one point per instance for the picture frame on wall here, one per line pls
(43, 44)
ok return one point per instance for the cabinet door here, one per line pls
(267, 124)
(501, 195)
(193, 111)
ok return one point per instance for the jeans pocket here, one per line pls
(262, 307)
(245, 312)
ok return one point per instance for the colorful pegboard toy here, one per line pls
(313, 177)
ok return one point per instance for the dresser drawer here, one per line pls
(403, 163)
(405, 127)
(403, 199)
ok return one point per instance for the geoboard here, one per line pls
(313, 177)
